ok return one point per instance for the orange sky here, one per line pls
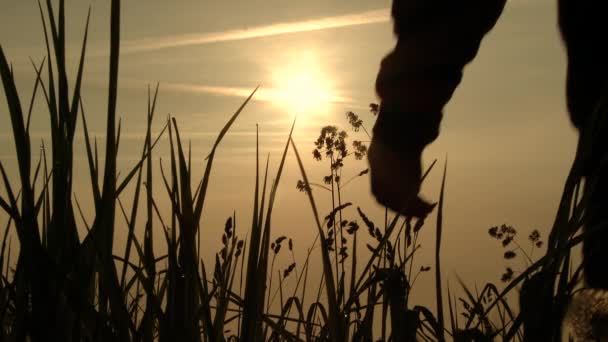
(506, 133)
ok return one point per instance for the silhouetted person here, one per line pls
(436, 39)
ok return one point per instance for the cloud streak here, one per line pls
(265, 94)
(353, 19)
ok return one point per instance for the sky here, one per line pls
(505, 134)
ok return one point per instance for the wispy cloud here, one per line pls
(353, 19)
(263, 94)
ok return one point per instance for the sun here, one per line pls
(302, 87)
(303, 92)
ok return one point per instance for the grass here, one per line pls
(84, 288)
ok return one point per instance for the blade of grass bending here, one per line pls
(375, 254)
(285, 334)
(491, 289)
(312, 312)
(7, 229)
(273, 191)
(186, 194)
(118, 129)
(305, 270)
(46, 211)
(438, 288)
(148, 286)
(4, 274)
(205, 310)
(109, 181)
(184, 176)
(150, 267)
(82, 217)
(22, 144)
(78, 85)
(128, 222)
(33, 99)
(539, 263)
(264, 188)
(247, 325)
(259, 285)
(453, 324)
(93, 171)
(7, 208)
(386, 237)
(175, 211)
(353, 270)
(241, 285)
(200, 200)
(52, 100)
(187, 255)
(13, 207)
(62, 85)
(145, 154)
(133, 172)
(430, 319)
(562, 297)
(335, 326)
(41, 197)
(162, 224)
(188, 227)
(175, 307)
(265, 247)
(428, 171)
(254, 244)
(264, 244)
(127, 262)
(173, 271)
(36, 171)
(473, 299)
(131, 228)
(119, 311)
(286, 309)
(42, 85)
(232, 278)
(8, 261)
(225, 283)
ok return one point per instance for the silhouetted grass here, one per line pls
(68, 287)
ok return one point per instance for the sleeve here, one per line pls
(435, 40)
(584, 31)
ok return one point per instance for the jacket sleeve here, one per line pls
(584, 31)
(436, 39)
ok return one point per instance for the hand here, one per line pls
(395, 180)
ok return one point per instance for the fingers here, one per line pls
(395, 181)
(415, 207)
(418, 207)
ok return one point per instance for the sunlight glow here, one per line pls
(302, 93)
(302, 87)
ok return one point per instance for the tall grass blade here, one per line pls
(52, 100)
(78, 85)
(22, 143)
(336, 328)
(33, 98)
(93, 171)
(247, 327)
(438, 285)
(265, 248)
(200, 200)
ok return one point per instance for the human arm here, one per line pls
(435, 40)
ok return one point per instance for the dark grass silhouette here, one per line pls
(83, 288)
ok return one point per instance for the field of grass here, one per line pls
(75, 287)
